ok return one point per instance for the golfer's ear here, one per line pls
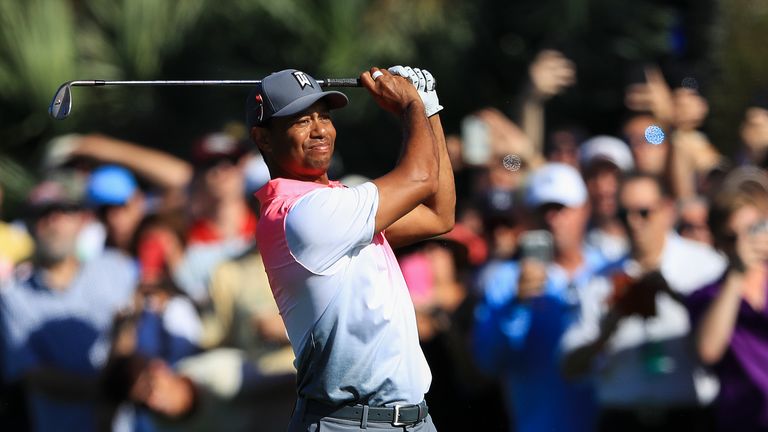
(260, 136)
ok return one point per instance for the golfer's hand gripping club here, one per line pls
(424, 82)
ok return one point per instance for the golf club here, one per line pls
(61, 105)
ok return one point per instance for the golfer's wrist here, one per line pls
(414, 105)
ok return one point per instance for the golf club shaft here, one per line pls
(328, 82)
(61, 105)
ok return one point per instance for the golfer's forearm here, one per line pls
(415, 178)
(419, 164)
(443, 202)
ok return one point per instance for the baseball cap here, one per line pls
(110, 185)
(607, 148)
(555, 183)
(216, 146)
(286, 93)
(59, 190)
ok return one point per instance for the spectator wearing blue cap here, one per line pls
(120, 205)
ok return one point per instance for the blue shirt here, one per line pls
(519, 341)
(67, 329)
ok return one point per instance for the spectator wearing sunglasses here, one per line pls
(633, 331)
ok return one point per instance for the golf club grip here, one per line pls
(340, 82)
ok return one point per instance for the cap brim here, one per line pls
(335, 100)
(602, 158)
(105, 201)
(571, 201)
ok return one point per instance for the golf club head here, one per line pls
(61, 104)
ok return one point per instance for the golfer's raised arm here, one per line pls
(415, 178)
(437, 214)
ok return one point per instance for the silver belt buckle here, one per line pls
(396, 420)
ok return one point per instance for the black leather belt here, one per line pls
(397, 415)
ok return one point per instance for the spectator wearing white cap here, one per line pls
(527, 305)
(603, 160)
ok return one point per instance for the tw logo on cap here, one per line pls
(302, 79)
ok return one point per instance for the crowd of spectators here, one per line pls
(592, 282)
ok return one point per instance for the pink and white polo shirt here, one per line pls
(341, 294)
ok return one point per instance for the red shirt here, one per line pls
(204, 231)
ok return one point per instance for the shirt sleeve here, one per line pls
(330, 224)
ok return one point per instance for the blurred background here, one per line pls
(479, 50)
(610, 168)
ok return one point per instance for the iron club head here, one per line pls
(61, 104)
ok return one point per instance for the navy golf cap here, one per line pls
(286, 93)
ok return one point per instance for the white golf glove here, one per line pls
(425, 85)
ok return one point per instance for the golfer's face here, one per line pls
(303, 143)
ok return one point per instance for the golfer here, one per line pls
(327, 248)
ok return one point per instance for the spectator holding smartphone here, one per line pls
(527, 304)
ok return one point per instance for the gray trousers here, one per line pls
(302, 421)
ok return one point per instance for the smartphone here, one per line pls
(475, 143)
(537, 244)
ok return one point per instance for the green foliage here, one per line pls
(144, 32)
(37, 43)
